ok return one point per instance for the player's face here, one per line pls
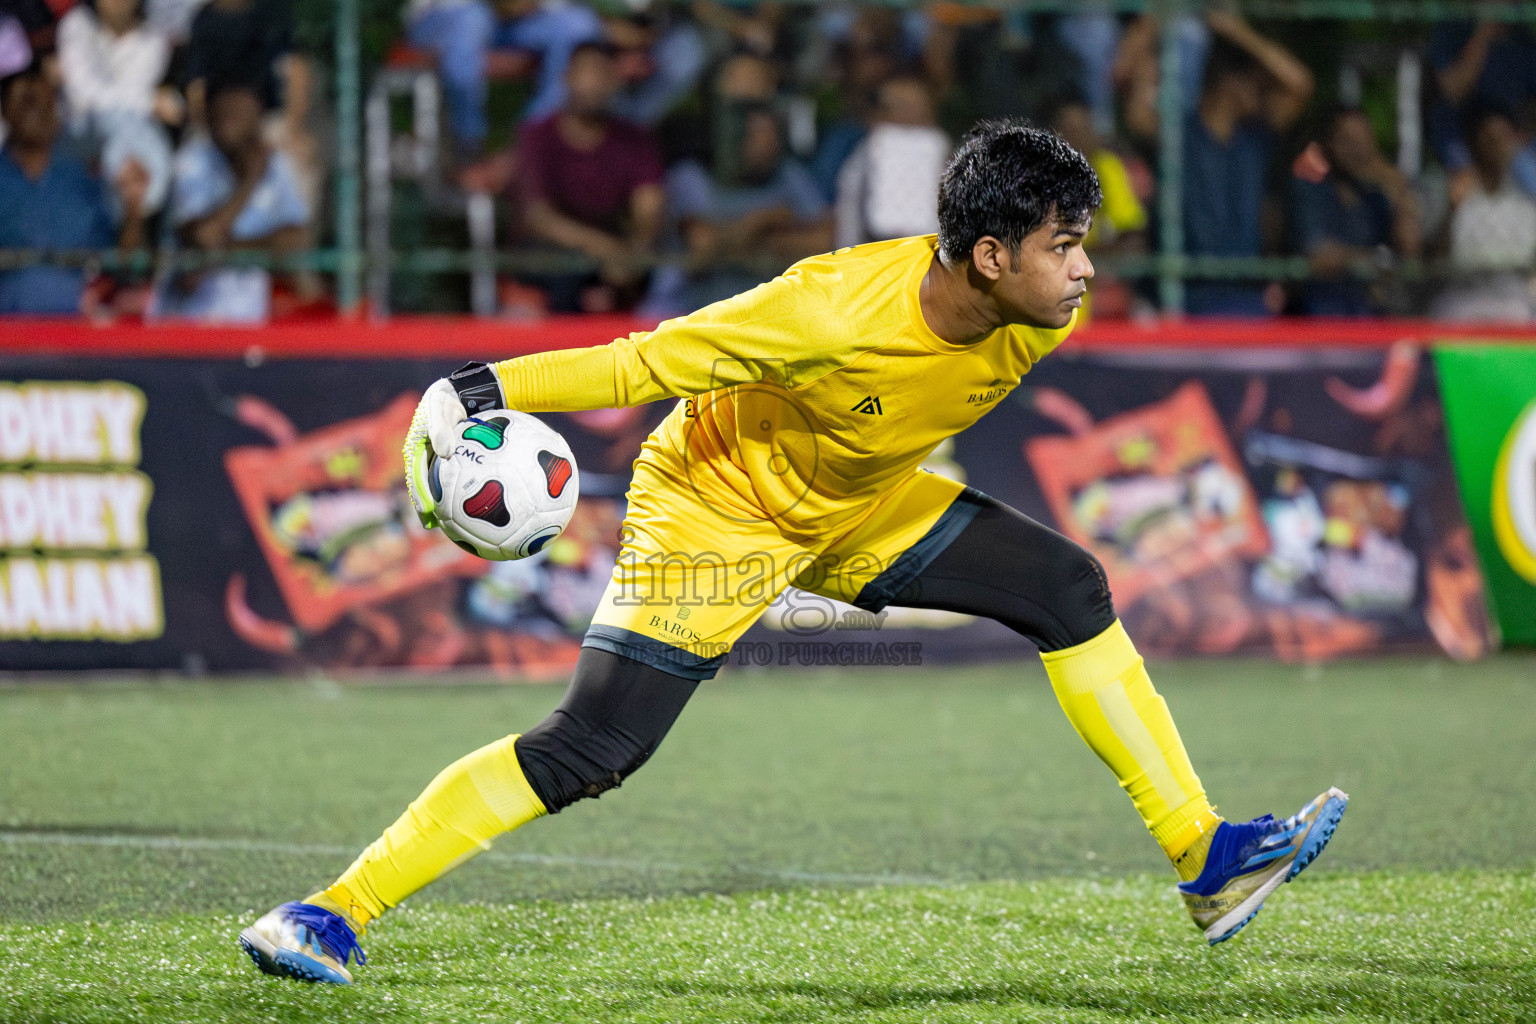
(1047, 282)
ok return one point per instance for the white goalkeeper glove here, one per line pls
(469, 391)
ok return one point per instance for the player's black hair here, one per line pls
(1006, 180)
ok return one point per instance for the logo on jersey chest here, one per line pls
(997, 389)
(869, 406)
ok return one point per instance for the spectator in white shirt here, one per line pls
(1492, 229)
(888, 186)
(112, 66)
(233, 193)
(172, 17)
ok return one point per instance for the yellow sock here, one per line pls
(1105, 691)
(473, 800)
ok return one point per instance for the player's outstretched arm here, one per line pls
(755, 336)
(759, 335)
(567, 380)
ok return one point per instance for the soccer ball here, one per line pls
(508, 487)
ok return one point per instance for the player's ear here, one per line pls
(990, 257)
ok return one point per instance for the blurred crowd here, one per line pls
(142, 124)
(677, 152)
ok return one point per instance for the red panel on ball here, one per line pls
(557, 472)
(488, 504)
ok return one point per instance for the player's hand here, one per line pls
(440, 405)
(418, 463)
(471, 389)
(442, 410)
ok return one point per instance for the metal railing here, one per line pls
(351, 260)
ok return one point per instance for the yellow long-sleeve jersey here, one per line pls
(809, 395)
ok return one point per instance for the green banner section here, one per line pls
(1489, 393)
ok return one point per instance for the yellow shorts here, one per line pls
(689, 581)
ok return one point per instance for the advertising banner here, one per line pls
(1258, 501)
(73, 504)
(223, 514)
(210, 515)
(1490, 408)
(1297, 504)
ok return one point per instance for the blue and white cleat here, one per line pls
(303, 942)
(1247, 862)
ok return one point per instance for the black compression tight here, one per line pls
(613, 717)
(1006, 566)
(1003, 566)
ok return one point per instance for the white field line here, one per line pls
(132, 841)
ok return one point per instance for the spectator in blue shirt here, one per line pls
(662, 60)
(462, 32)
(765, 205)
(232, 192)
(1362, 212)
(1254, 89)
(48, 201)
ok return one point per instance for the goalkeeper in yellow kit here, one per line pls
(809, 404)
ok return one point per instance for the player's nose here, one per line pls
(1084, 269)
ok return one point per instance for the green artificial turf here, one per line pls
(1392, 947)
(899, 845)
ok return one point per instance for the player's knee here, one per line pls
(1081, 601)
(564, 763)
